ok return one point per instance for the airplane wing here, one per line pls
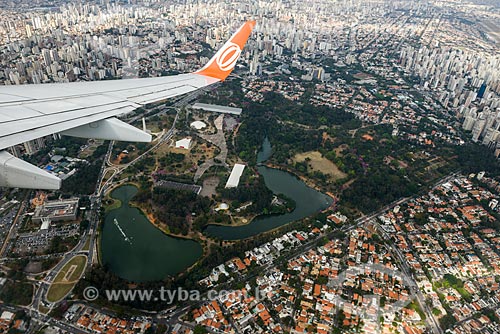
(88, 109)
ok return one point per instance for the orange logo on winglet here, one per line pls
(221, 65)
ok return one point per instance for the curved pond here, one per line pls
(308, 201)
(136, 250)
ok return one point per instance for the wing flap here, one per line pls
(12, 114)
(54, 124)
(54, 118)
(78, 103)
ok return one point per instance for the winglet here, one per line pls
(222, 63)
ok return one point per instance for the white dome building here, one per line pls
(198, 125)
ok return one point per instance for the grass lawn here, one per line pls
(115, 205)
(320, 164)
(66, 279)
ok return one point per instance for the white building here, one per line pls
(56, 211)
(6, 315)
(217, 108)
(198, 125)
(184, 143)
(234, 178)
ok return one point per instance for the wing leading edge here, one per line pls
(88, 109)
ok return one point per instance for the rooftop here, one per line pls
(217, 108)
(234, 178)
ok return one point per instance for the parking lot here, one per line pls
(39, 241)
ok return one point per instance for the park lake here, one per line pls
(134, 249)
(308, 202)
